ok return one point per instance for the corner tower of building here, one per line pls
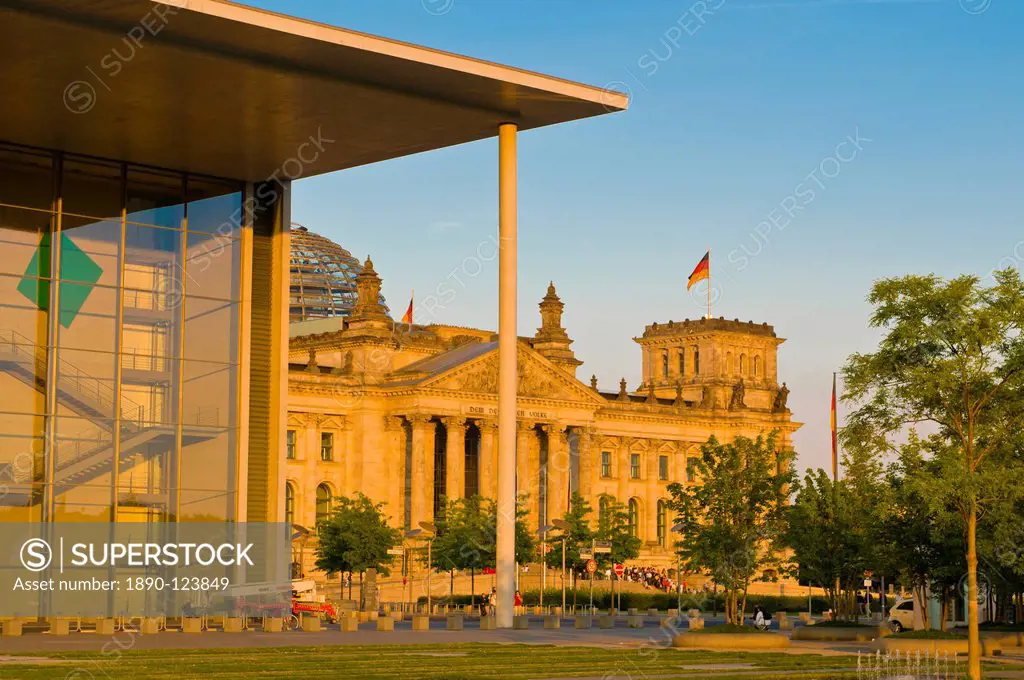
(712, 359)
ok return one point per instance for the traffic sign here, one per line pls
(619, 570)
(396, 551)
(586, 555)
(601, 549)
(591, 566)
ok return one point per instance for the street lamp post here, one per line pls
(426, 531)
(564, 527)
(543, 532)
(678, 529)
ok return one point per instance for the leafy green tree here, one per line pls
(578, 537)
(733, 516)
(356, 537)
(952, 356)
(613, 527)
(466, 537)
(826, 533)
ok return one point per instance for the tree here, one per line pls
(356, 537)
(578, 537)
(613, 527)
(826, 533)
(466, 536)
(953, 357)
(733, 516)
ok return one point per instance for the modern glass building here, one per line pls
(120, 345)
(147, 152)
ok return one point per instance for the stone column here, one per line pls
(590, 466)
(526, 438)
(623, 470)
(422, 492)
(305, 510)
(394, 466)
(557, 471)
(488, 458)
(351, 464)
(455, 458)
(652, 492)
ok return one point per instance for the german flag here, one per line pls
(701, 271)
(407, 317)
(835, 440)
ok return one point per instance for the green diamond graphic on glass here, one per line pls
(75, 264)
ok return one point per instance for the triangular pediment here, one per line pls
(538, 378)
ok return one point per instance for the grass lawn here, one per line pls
(431, 662)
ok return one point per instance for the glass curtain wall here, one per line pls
(119, 341)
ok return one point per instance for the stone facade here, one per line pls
(378, 407)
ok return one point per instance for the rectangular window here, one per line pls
(327, 446)
(291, 444)
(663, 468)
(682, 361)
(696, 362)
(634, 466)
(664, 363)
(691, 469)
(606, 463)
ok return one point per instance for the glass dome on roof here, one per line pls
(323, 277)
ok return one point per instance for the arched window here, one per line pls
(662, 522)
(728, 362)
(757, 366)
(634, 517)
(743, 364)
(682, 361)
(289, 503)
(323, 503)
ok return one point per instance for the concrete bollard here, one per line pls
(453, 622)
(538, 611)
(552, 622)
(696, 623)
(272, 624)
(606, 622)
(488, 623)
(612, 611)
(557, 611)
(583, 621)
(653, 612)
(364, 617)
(520, 622)
(673, 612)
(631, 611)
(693, 613)
(60, 627)
(12, 628)
(104, 626)
(191, 624)
(310, 624)
(805, 618)
(385, 624)
(783, 619)
(152, 626)
(397, 615)
(373, 615)
(420, 622)
(348, 624)
(635, 621)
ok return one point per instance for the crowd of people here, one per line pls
(649, 577)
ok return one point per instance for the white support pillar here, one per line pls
(507, 373)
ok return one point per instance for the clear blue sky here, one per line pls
(723, 127)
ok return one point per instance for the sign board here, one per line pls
(619, 570)
(591, 566)
(396, 551)
(867, 583)
(603, 544)
(601, 549)
(586, 555)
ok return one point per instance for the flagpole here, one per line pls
(709, 282)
